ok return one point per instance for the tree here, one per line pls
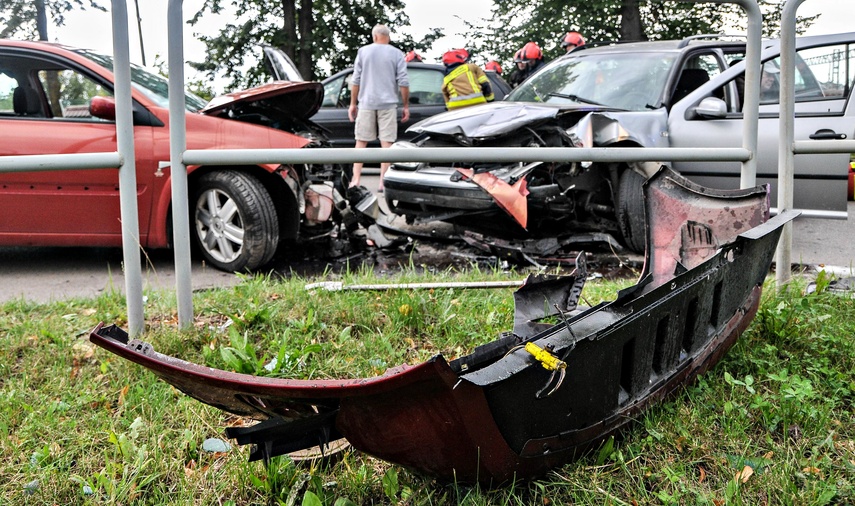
(311, 33)
(515, 22)
(28, 20)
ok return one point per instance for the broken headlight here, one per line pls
(405, 165)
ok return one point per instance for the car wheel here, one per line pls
(630, 210)
(235, 221)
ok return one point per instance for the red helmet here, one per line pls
(530, 51)
(413, 56)
(494, 66)
(455, 56)
(572, 39)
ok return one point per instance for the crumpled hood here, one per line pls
(489, 120)
(300, 100)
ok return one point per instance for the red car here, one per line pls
(57, 99)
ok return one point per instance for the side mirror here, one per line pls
(712, 107)
(103, 108)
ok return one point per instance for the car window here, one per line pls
(7, 89)
(823, 80)
(630, 81)
(155, 87)
(825, 73)
(332, 89)
(696, 71)
(425, 86)
(68, 93)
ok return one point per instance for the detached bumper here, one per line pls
(499, 413)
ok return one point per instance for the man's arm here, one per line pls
(484, 81)
(354, 93)
(405, 97)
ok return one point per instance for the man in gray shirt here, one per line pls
(378, 73)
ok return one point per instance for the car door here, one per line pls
(49, 114)
(426, 97)
(332, 114)
(823, 110)
(500, 87)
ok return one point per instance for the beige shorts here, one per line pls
(371, 124)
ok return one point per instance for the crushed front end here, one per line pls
(559, 198)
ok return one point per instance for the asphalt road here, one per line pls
(49, 274)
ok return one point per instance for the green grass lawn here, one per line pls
(772, 423)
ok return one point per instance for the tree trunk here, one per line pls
(630, 21)
(289, 29)
(41, 19)
(307, 25)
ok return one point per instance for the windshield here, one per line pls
(630, 81)
(153, 86)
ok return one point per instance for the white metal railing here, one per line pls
(787, 146)
(123, 159)
(181, 157)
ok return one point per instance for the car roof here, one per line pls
(663, 46)
(410, 65)
(696, 41)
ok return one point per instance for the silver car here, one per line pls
(685, 93)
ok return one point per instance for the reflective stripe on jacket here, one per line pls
(465, 85)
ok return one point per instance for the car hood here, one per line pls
(493, 119)
(299, 100)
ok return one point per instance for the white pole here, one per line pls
(128, 169)
(177, 146)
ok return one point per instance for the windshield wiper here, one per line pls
(575, 98)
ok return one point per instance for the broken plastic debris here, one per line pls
(215, 445)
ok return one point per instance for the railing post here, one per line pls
(177, 146)
(127, 169)
(750, 108)
(786, 124)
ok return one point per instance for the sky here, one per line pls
(92, 29)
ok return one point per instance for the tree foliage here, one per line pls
(515, 22)
(19, 18)
(312, 33)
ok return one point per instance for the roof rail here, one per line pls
(600, 43)
(710, 36)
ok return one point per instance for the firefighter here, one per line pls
(464, 83)
(529, 59)
(494, 66)
(571, 41)
(413, 56)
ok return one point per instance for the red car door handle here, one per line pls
(825, 134)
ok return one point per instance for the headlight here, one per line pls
(405, 165)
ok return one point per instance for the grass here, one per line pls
(772, 423)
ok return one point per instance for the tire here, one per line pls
(235, 222)
(630, 210)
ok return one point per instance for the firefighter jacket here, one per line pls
(465, 84)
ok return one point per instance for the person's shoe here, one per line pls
(380, 190)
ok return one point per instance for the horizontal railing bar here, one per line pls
(816, 213)
(34, 163)
(449, 155)
(819, 147)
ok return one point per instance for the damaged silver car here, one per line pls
(685, 93)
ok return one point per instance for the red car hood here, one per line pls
(299, 99)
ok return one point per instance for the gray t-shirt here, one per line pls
(379, 71)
